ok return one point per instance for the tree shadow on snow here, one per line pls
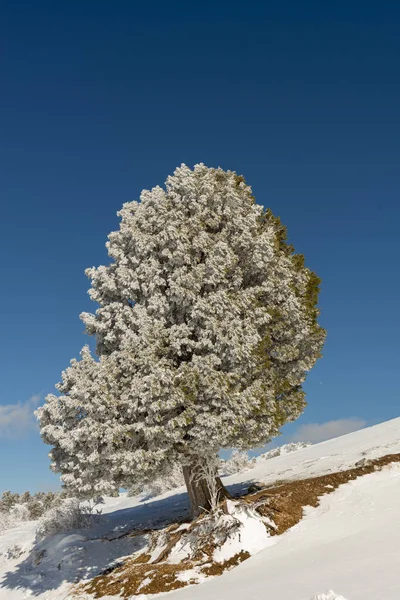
(237, 490)
(81, 554)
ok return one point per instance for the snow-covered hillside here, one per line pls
(345, 548)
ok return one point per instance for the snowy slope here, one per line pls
(348, 544)
(333, 455)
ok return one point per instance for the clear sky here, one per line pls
(101, 99)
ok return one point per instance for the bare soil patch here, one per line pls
(283, 502)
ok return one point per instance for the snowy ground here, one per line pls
(348, 544)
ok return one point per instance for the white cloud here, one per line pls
(17, 419)
(319, 432)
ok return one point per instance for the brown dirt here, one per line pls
(215, 568)
(127, 580)
(282, 503)
(141, 559)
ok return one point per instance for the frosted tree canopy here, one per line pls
(206, 328)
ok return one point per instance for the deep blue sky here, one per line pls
(101, 99)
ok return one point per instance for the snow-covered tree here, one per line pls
(206, 329)
(8, 500)
(238, 462)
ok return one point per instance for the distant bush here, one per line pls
(160, 485)
(8, 500)
(70, 514)
(238, 462)
(18, 508)
(285, 449)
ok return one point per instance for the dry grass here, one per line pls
(135, 578)
(215, 569)
(283, 502)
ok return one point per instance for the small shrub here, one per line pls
(71, 514)
(19, 513)
(237, 463)
(12, 552)
(8, 500)
(36, 510)
(25, 497)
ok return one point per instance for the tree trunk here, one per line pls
(204, 487)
